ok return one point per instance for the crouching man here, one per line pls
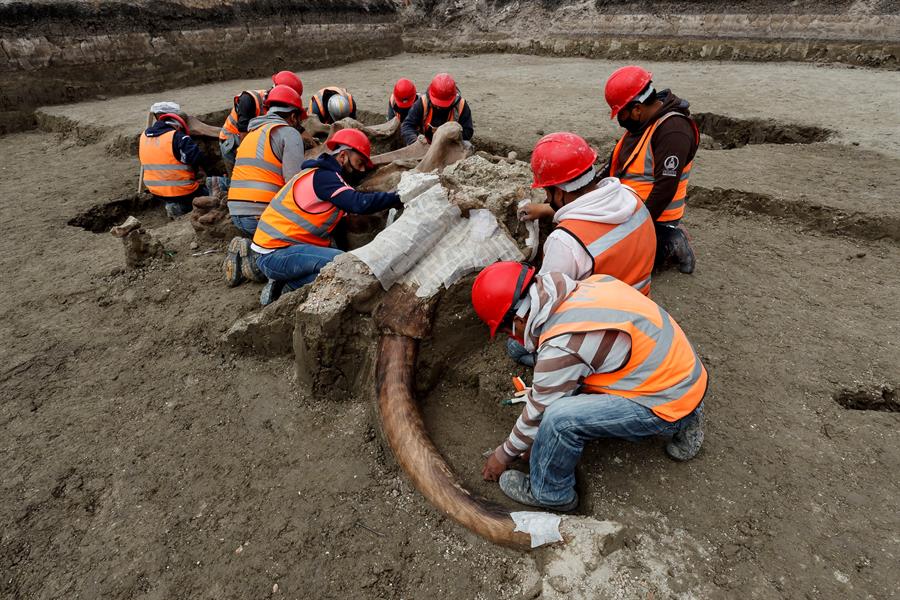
(293, 238)
(610, 364)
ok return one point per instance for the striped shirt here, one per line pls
(562, 364)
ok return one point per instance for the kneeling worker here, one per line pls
(442, 103)
(269, 156)
(611, 363)
(331, 104)
(402, 99)
(293, 240)
(654, 156)
(602, 227)
(246, 106)
(171, 162)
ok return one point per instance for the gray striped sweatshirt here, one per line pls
(562, 362)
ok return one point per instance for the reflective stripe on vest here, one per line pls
(626, 251)
(322, 109)
(257, 174)
(428, 113)
(165, 175)
(284, 223)
(637, 171)
(663, 372)
(231, 122)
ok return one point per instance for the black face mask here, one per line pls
(352, 176)
(632, 125)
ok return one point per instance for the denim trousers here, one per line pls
(295, 265)
(246, 224)
(229, 147)
(570, 422)
(182, 205)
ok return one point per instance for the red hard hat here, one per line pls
(624, 85)
(560, 157)
(354, 138)
(404, 93)
(282, 94)
(497, 289)
(442, 91)
(289, 79)
(177, 118)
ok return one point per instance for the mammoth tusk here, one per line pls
(404, 429)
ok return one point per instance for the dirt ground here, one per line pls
(143, 460)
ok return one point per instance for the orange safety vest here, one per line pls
(637, 171)
(318, 100)
(288, 221)
(231, 122)
(257, 174)
(663, 372)
(165, 175)
(625, 250)
(428, 112)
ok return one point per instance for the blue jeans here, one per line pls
(245, 224)
(295, 265)
(570, 422)
(182, 205)
(228, 147)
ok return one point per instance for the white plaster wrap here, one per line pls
(431, 245)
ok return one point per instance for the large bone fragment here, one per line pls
(198, 127)
(446, 148)
(405, 431)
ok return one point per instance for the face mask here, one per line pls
(351, 175)
(632, 125)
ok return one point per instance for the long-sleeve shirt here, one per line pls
(329, 185)
(674, 137)
(246, 111)
(562, 364)
(412, 124)
(286, 143)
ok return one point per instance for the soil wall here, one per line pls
(60, 52)
(858, 33)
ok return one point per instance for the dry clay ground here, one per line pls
(142, 460)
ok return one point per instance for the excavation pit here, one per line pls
(880, 398)
(101, 217)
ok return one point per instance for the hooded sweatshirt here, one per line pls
(611, 203)
(674, 137)
(563, 362)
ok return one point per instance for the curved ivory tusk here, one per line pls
(417, 455)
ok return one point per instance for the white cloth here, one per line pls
(611, 203)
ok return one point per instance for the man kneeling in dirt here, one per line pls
(602, 227)
(172, 162)
(610, 364)
(654, 157)
(293, 239)
(440, 104)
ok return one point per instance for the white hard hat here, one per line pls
(338, 107)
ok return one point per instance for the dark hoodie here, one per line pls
(411, 126)
(184, 148)
(675, 137)
(329, 185)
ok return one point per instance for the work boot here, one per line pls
(271, 292)
(673, 246)
(231, 266)
(517, 485)
(687, 442)
(248, 261)
(518, 353)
